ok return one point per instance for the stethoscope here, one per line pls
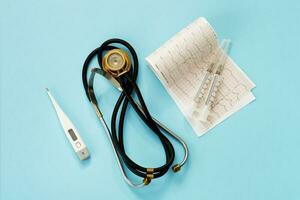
(121, 69)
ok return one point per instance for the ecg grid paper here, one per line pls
(181, 64)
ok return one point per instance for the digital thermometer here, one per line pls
(70, 131)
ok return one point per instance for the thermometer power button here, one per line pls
(78, 144)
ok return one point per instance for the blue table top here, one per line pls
(252, 155)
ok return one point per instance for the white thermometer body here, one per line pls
(70, 131)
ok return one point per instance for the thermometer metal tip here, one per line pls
(71, 132)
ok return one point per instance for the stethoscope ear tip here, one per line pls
(176, 168)
(147, 181)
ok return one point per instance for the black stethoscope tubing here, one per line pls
(128, 85)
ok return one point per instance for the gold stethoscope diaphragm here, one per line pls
(116, 62)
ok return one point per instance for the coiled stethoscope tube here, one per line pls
(127, 85)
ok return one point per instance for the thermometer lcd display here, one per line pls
(72, 134)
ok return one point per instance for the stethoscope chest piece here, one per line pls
(116, 62)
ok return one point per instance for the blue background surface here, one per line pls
(252, 155)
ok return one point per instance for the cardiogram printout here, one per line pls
(181, 63)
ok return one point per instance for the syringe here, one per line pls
(204, 84)
(216, 81)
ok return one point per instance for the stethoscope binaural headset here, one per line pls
(121, 69)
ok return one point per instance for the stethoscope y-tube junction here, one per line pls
(121, 69)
